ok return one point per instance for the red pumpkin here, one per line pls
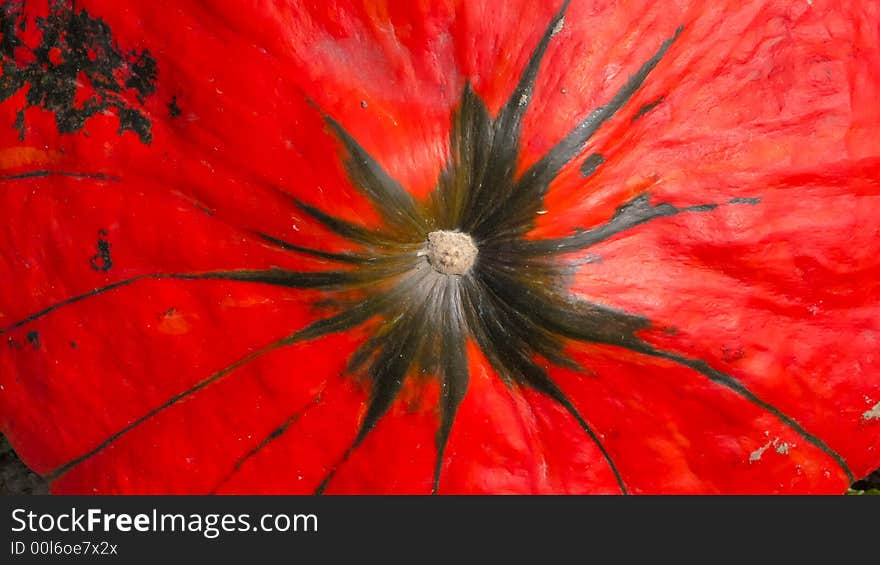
(451, 246)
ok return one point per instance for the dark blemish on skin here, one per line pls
(590, 164)
(647, 108)
(730, 355)
(701, 208)
(134, 120)
(363, 103)
(72, 344)
(173, 108)
(670, 330)
(169, 312)
(76, 71)
(101, 261)
(33, 338)
(751, 201)
(19, 124)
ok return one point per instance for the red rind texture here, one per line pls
(774, 102)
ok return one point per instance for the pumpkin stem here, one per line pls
(451, 252)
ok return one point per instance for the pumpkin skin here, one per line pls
(736, 278)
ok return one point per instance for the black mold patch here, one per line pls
(11, 23)
(77, 71)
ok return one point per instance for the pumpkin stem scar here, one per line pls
(451, 252)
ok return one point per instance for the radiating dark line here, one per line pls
(593, 323)
(387, 373)
(285, 278)
(739, 388)
(404, 337)
(511, 116)
(510, 356)
(517, 211)
(75, 299)
(340, 322)
(470, 140)
(71, 174)
(546, 386)
(167, 404)
(322, 487)
(393, 201)
(352, 232)
(454, 373)
(563, 315)
(519, 323)
(365, 351)
(339, 257)
(275, 277)
(549, 166)
(507, 128)
(635, 212)
(273, 435)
